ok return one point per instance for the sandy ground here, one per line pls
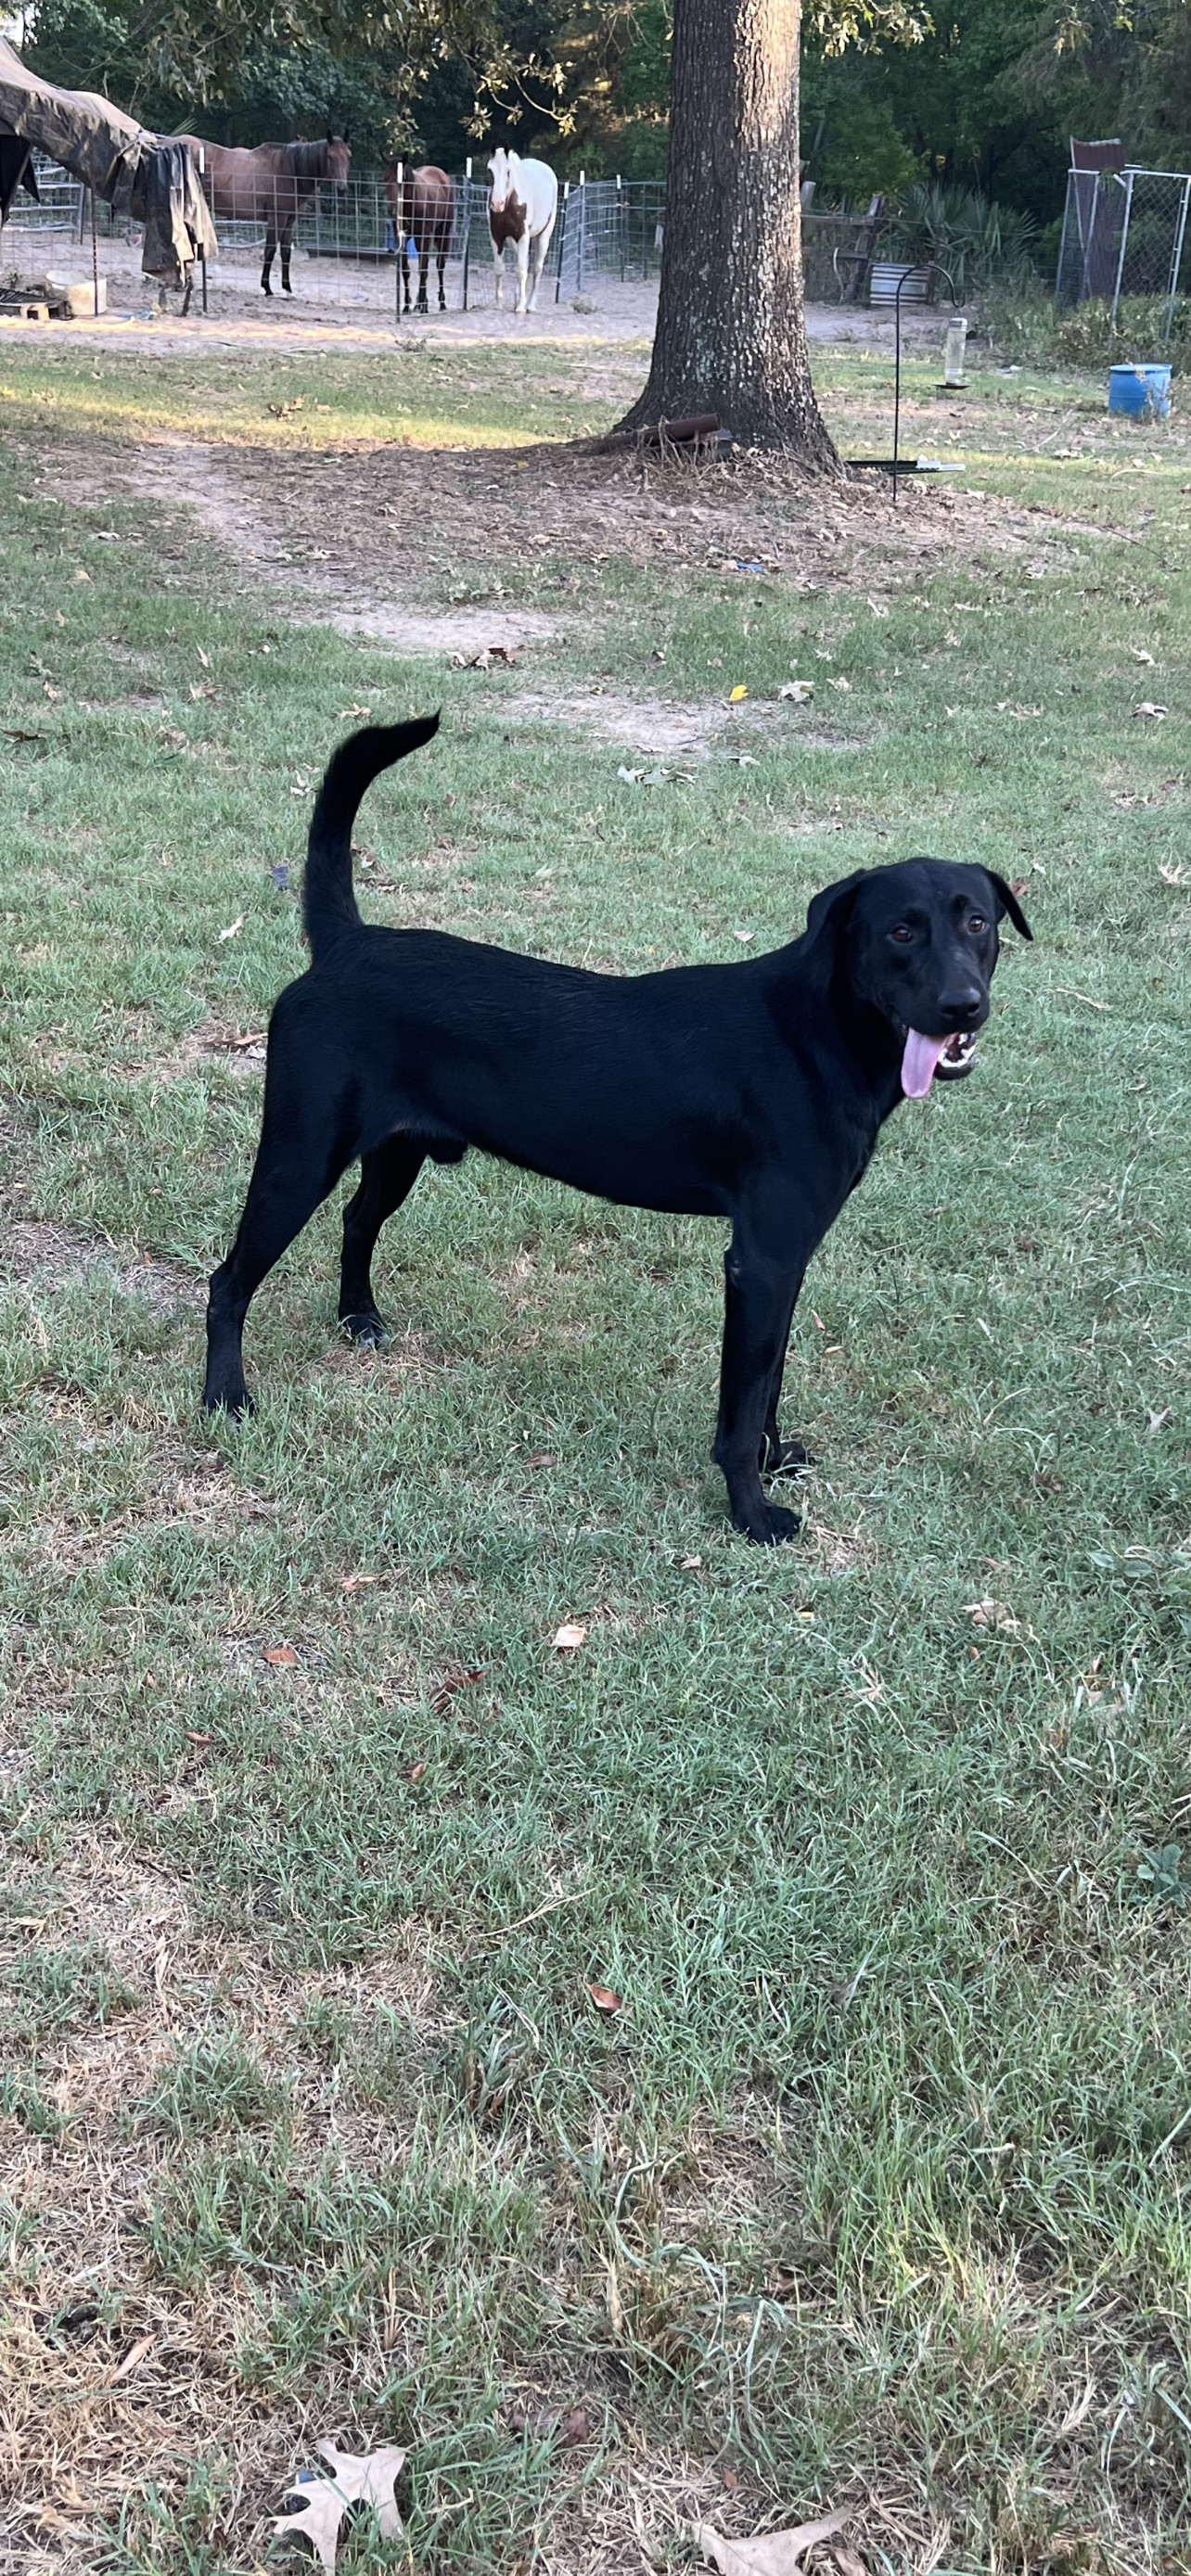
(339, 304)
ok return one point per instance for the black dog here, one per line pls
(753, 1091)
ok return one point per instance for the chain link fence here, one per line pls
(1124, 233)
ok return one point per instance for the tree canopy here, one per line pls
(984, 93)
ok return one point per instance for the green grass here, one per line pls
(878, 2179)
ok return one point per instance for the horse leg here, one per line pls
(499, 258)
(522, 271)
(422, 250)
(188, 273)
(442, 275)
(270, 247)
(541, 247)
(287, 243)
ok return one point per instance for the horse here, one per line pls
(522, 209)
(268, 185)
(422, 207)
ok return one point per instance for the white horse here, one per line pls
(522, 209)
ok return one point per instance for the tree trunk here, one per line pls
(731, 336)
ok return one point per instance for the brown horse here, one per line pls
(269, 185)
(421, 208)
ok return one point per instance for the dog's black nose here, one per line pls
(957, 1009)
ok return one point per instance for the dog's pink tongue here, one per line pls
(918, 1064)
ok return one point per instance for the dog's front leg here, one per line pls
(760, 1288)
(776, 1453)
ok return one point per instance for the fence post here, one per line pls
(1116, 293)
(562, 239)
(203, 251)
(621, 226)
(466, 226)
(1177, 257)
(399, 230)
(582, 231)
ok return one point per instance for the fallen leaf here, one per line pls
(456, 1679)
(171, 740)
(993, 1614)
(125, 2368)
(605, 2000)
(356, 1582)
(417, 1771)
(799, 690)
(771, 2553)
(575, 2427)
(280, 1655)
(839, 682)
(194, 1737)
(354, 715)
(1148, 708)
(1140, 654)
(540, 1458)
(744, 936)
(16, 733)
(204, 658)
(571, 1634)
(729, 2479)
(1171, 876)
(692, 1563)
(1020, 885)
(735, 695)
(324, 2501)
(631, 777)
(251, 1038)
(233, 930)
(484, 660)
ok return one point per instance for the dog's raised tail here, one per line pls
(328, 895)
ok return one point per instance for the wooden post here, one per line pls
(203, 250)
(94, 260)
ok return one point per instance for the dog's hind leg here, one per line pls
(299, 1160)
(386, 1179)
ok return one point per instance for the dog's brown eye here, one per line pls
(976, 922)
(902, 934)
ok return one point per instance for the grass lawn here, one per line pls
(874, 2190)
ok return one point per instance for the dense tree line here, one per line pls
(979, 93)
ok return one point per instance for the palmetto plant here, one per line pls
(971, 236)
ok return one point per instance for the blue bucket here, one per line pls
(1143, 393)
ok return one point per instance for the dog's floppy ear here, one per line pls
(829, 910)
(1009, 904)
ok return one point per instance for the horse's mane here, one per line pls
(306, 160)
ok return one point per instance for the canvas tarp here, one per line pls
(152, 181)
(86, 134)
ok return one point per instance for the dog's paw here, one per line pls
(368, 1330)
(770, 1525)
(235, 1401)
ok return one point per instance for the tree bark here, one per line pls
(731, 335)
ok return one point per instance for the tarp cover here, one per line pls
(153, 181)
(86, 134)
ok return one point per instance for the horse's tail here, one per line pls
(328, 896)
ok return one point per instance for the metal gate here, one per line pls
(1123, 234)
